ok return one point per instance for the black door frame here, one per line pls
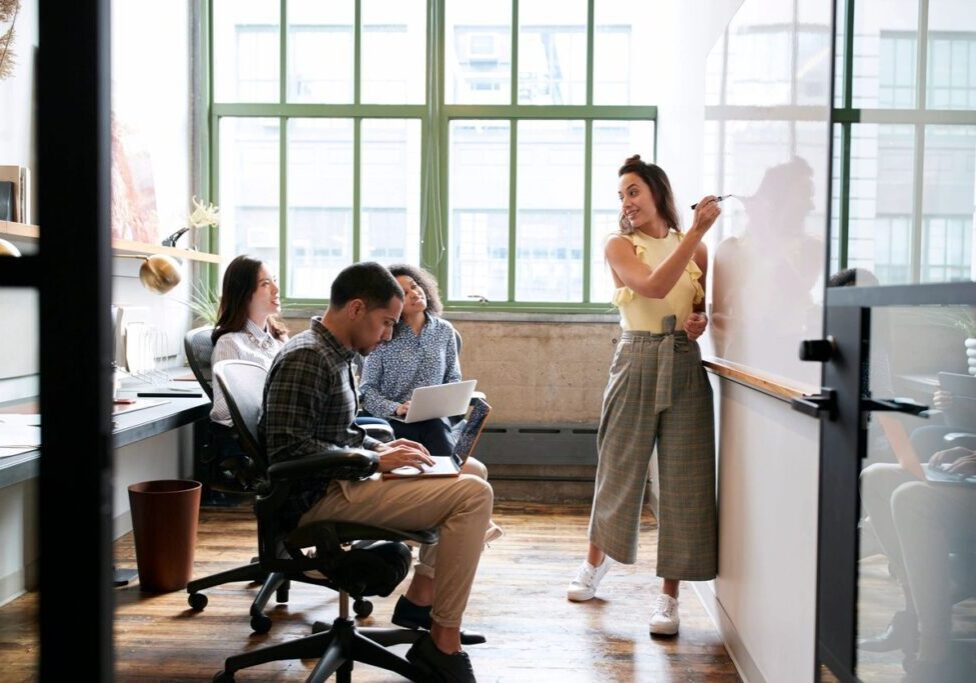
(847, 321)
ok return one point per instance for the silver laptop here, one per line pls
(439, 400)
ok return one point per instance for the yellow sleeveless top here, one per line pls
(641, 313)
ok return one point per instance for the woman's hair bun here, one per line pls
(635, 159)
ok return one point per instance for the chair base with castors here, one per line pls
(336, 648)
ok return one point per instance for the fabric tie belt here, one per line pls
(668, 340)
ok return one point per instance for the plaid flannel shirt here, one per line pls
(310, 405)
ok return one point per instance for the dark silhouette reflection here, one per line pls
(765, 277)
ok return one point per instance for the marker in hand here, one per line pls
(717, 199)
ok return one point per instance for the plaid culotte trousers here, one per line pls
(658, 393)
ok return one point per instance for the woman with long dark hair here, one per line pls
(657, 393)
(247, 327)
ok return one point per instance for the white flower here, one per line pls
(204, 215)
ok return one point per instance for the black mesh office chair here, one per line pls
(351, 569)
(199, 349)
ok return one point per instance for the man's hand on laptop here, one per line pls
(402, 453)
(956, 460)
(403, 408)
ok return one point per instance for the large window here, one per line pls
(480, 140)
(905, 141)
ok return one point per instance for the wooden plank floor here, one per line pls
(518, 601)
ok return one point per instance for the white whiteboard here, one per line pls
(766, 141)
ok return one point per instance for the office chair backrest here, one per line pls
(457, 341)
(199, 350)
(243, 385)
(468, 439)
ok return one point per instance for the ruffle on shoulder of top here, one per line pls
(623, 295)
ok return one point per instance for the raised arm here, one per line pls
(655, 283)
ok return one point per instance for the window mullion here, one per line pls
(512, 205)
(283, 207)
(357, 142)
(283, 53)
(587, 203)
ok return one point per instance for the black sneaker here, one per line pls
(439, 666)
(409, 615)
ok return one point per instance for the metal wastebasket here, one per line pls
(164, 525)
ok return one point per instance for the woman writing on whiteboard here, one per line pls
(657, 394)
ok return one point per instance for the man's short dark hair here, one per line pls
(368, 281)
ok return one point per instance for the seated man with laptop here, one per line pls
(310, 404)
(923, 509)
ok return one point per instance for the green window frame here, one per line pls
(435, 117)
(846, 117)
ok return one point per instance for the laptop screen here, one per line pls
(472, 430)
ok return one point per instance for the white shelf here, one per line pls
(31, 233)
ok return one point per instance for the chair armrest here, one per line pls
(332, 532)
(334, 463)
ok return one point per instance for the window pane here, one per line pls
(613, 142)
(549, 230)
(393, 51)
(390, 191)
(248, 192)
(320, 51)
(245, 51)
(951, 78)
(552, 52)
(948, 197)
(881, 204)
(622, 35)
(478, 52)
(479, 197)
(885, 41)
(319, 205)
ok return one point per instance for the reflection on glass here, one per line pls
(393, 51)
(948, 197)
(881, 201)
(246, 37)
(768, 244)
(918, 491)
(320, 51)
(249, 181)
(885, 37)
(549, 233)
(622, 37)
(552, 52)
(390, 191)
(613, 142)
(320, 160)
(479, 205)
(951, 75)
(478, 52)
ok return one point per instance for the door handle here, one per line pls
(897, 405)
(817, 405)
(817, 350)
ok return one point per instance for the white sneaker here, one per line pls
(493, 533)
(588, 577)
(664, 616)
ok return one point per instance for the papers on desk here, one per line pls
(19, 436)
(29, 419)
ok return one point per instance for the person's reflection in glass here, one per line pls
(765, 277)
(925, 527)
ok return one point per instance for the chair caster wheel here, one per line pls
(197, 601)
(261, 624)
(362, 608)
